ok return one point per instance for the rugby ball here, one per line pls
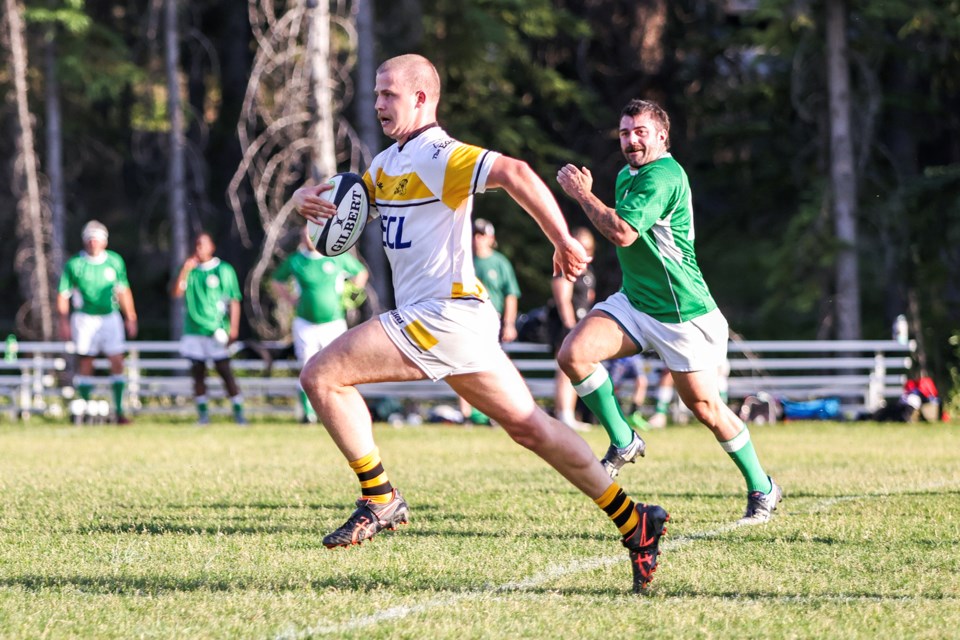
(340, 232)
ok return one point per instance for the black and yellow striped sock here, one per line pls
(374, 483)
(620, 508)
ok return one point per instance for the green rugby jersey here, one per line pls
(211, 287)
(497, 275)
(660, 272)
(93, 283)
(320, 280)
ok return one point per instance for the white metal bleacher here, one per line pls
(861, 373)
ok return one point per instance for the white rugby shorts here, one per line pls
(309, 337)
(446, 337)
(202, 348)
(98, 334)
(695, 345)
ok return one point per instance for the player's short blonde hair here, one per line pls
(417, 72)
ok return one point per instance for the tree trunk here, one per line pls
(324, 161)
(843, 184)
(32, 260)
(58, 214)
(176, 173)
(369, 129)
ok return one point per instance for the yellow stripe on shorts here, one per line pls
(420, 335)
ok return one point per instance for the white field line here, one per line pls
(558, 571)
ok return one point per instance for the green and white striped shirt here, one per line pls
(660, 273)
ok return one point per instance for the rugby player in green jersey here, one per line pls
(663, 304)
(317, 295)
(94, 283)
(211, 321)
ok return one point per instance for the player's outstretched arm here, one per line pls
(578, 184)
(529, 191)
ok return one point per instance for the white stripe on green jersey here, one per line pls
(660, 273)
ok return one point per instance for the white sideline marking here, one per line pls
(558, 571)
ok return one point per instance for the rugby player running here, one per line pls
(444, 326)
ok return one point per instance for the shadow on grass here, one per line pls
(803, 598)
(320, 519)
(507, 536)
(188, 528)
(799, 493)
(658, 593)
(159, 585)
(280, 505)
(421, 529)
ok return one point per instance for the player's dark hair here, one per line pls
(637, 107)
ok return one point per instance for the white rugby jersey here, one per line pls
(424, 194)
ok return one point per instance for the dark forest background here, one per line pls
(745, 82)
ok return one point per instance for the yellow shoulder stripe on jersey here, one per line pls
(420, 335)
(406, 187)
(458, 178)
(368, 183)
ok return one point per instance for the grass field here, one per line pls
(170, 531)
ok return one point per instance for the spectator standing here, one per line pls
(317, 293)
(211, 321)
(496, 274)
(664, 303)
(571, 303)
(94, 282)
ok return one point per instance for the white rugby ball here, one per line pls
(340, 232)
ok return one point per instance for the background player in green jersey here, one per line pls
(498, 277)
(318, 297)
(211, 321)
(664, 303)
(95, 281)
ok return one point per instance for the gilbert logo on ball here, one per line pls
(337, 234)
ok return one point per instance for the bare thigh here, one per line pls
(362, 355)
(500, 393)
(596, 338)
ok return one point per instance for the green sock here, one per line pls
(307, 407)
(478, 417)
(202, 405)
(84, 390)
(740, 448)
(118, 386)
(597, 393)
